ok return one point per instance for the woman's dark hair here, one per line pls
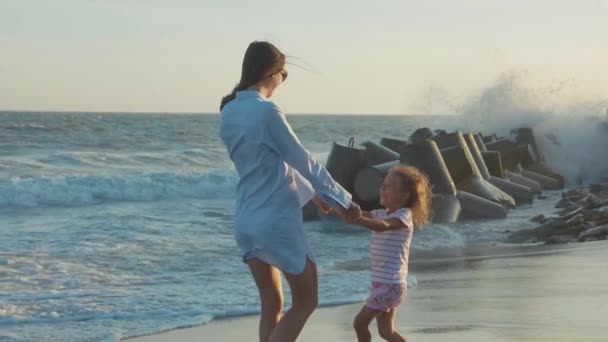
(261, 59)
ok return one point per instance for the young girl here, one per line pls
(405, 195)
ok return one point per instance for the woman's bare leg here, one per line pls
(268, 280)
(304, 301)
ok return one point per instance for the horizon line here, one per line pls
(200, 113)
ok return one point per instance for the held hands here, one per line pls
(350, 215)
(353, 213)
(324, 208)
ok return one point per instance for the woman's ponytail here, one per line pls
(228, 98)
(232, 95)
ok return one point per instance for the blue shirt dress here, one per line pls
(277, 176)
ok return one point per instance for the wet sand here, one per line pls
(517, 293)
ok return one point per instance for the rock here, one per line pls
(583, 216)
(588, 225)
(567, 209)
(573, 231)
(539, 218)
(592, 201)
(601, 216)
(595, 188)
(560, 239)
(572, 213)
(541, 232)
(524, 235)
(601, 221)
(573, 194)
(542, 197)
(594, 238)
(597, 232)
(575, 220)
(590, 215)
(563, 203)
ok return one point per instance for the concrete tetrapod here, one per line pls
(465, 173)
(378, 154)
(526, 135)
(520, 193)
(425, 156)
(343, 163)
(393, 144)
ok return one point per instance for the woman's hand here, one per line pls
(340, 212)
(323, 207)
(350, 215)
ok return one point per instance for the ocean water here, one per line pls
(118, 225)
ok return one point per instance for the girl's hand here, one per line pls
(353, 214)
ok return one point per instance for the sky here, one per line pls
(347, 56)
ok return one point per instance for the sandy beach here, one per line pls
(523, 293)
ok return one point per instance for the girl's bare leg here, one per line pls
(362, 321)
(386, 326)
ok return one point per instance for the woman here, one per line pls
(271, 163)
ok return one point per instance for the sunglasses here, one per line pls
(284, 75)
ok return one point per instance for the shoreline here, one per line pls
(436, 306)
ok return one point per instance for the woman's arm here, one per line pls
(281, 138)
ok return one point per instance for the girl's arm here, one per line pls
(380, 225)
(363, 214)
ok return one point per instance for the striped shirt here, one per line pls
(390, 249)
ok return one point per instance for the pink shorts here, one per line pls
(385, 297)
